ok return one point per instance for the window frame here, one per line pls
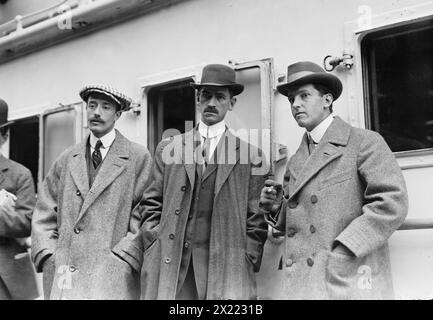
(79, 130)
(359, 108)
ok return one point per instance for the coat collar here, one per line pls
(304, 167)
(114, 163)
(4, 166)
(226, 158)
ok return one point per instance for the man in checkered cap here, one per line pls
(83, 218)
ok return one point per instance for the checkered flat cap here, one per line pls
(123, 100)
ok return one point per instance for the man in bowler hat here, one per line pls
(17, 200)
(202, 233)
(83, 217)
(343, 196)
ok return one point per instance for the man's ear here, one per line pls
(328, 99)
(118, 114)
(232, 103)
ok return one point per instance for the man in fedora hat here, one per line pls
(202, 234)
(17, 200)
(82, 220)
(343, 196)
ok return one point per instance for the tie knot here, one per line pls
(98, 145)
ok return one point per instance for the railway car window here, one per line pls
(59, 133)
(24, 144)
(398, 68)
(169, 106)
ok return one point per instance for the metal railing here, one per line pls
(20, 22)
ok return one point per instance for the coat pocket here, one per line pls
(349, 277)
(336, 179)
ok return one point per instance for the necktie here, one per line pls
(311, 144)
(206, 149)
(96, 155)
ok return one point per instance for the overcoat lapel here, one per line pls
(228, 156)
(78, 168)
(191, 140)
(113, 165)
(306, 167)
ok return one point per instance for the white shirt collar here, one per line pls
(107, 140)
(215, 130)
(317, 133)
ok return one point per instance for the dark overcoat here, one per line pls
(350, 190)
(16, 269)
(238, 230)
(86, 228)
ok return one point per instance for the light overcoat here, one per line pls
(16, 270)
(238, 230)
(350, 190)
(86, 228)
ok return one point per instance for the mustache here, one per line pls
(96, 120)
(210, 110)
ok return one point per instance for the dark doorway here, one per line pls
(24, 144)
(170, 106)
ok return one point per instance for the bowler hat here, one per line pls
(4, 114)
(306, 72)
(219, 75)
(122, 100)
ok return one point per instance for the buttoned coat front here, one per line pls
(350, 190)
(86, 228)
(16, 270)
(238, 230)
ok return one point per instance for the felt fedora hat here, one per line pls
(306, 72)
(111, 93)
(219, 75)
(4, 114)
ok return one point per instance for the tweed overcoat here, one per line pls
(86, 228)
(350, 190)
(238, 230)
(16, 270)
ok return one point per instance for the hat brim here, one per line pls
(235, 88)
(326, 79)
(6, 124)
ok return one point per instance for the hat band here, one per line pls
(107, 94)
(297, 75)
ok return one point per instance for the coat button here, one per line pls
(176, 212)
(310, 262)
(167, 260)
(72, 268)
(171, 236)
(190, 217)
(289, 262)
(312, 229)
(314, 198)
(183, 188)
(293, 204)
(186, 245)
(78, 193)
(291, 232)
(77, 231)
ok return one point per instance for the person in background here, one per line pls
(17, 200)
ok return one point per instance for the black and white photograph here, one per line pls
(228, 151)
